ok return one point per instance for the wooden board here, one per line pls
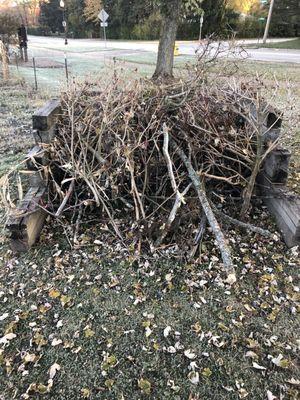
(276, 165)
(36, 158)
(285, 207)
(44, 118)
(26, 222)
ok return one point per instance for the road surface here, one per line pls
(38, 43)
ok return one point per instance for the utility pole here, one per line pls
(268, 21)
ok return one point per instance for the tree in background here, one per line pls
(242, 6)
(215, 16)
(77, 22)
(27, 10)
(92, 9)
(8, 28)
(50, 17)
(286, 18)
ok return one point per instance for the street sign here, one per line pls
(64, 24)
(103, 16)
(104, 24)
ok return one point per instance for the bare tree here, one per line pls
(171, 11)
(165, 58)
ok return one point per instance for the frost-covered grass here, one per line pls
(289, 44)
(115, 326)
(122, 327)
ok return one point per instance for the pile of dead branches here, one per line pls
(150, 156)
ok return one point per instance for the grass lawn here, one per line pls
(95, 321)
(289, 44)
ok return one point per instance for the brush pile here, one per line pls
(154, 158)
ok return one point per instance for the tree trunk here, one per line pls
(165, 57)
(4, 58)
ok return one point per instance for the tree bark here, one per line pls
(4, 57)
(165, 57)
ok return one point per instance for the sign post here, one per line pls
(201, 25)
(103, 16)
(64, 22)
(261, 22)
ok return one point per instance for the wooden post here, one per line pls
(35, 78)
(284, 206)
(276, 165)
(26, 222)
(44, 121)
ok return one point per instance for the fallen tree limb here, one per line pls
(199, 187)
(244, 225)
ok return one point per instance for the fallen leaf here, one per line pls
(167, 331)
(29, 358)
(281, 362)
(270, 396)
(3, 316)
(145, 386)
(188, 353)
(109, 383)
(206, 372)
(251, 354)
(6, 338)
(231, 279)
(257, 366)
(293, 381)
(53, 293)
(65, 300)
(193, 377)
(85, 393)
(42, 389)
(88, 333)
(53, 369)
(171, 349)
(59, 324)
(56, 342)
(148, 331)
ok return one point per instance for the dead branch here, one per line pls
(199, 187)
(244, 225)
(199, 236)
(66, 198)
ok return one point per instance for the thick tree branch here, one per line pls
(199, 187)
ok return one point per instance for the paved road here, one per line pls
(185, 48)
